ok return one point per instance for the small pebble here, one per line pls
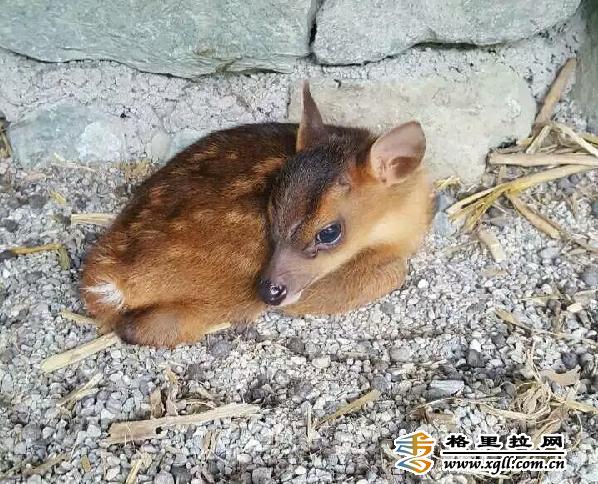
(445, 388)
(401, 354)
(550, 252)
(6, 255)
(220, 349)
(10, 225)
(590, 275)
(37, 201)
(164, 478)
(380, 383)
(181, 474)
(93, 431)
(296, 345)
(112, 473)
(569, 359)
(474, 359)
(261, 475)
(244, 459)
(322, 362)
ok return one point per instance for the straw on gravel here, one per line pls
(88, 389)
(551, 143)
(494, 246)
(556, 91)
(507, 317)
(123, 432)
(143, 461)
(350, 407)
(103, 219)
(79, 353)
(105, 341)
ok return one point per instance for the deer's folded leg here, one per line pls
(163, 325)
(364, 279)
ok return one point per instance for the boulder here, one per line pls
(185, 38)
(585, 91)
(463, 117)
(67, 131)
(356, 31)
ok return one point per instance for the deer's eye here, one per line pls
(330, 234)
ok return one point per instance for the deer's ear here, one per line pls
(398, 153)
(311, 128)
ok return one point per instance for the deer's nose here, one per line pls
(272, 294)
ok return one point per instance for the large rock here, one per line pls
(181, 37)
(586, 86)
(354, 31)
(67, 131)
(462, 117)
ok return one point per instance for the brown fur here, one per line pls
(189, 250)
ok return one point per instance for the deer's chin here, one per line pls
(291, 299)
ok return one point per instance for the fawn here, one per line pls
(313, 218)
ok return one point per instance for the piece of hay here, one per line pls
(474, 206)
(493, 245)
(542, 159)
(209, 443)
(512, 415)
(538, 140)
(45, 466)
(575, 308)
(172, 390)
(511, 319)
(309, 425)
(568, 378)
(196, 404)
(58, 198)
(85, 464)
(123, 432)
(444, 183)
(371, 396)
(103, 219)
(577, 139)
(77, 318)
(535, 218)
(5, 148)
(79, 353)
(589, 137)
(38, 248)
(555, 92)
(88, 389)
(143, 461)
(156, 406)
(64, 260)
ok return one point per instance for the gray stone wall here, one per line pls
(184, 38)
(100, 94)
(586, 87)
(351, 31)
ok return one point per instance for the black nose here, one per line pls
(272, 293)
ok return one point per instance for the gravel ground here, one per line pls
(437, 337)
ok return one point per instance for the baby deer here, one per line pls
(311, 217)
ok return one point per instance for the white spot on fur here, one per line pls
(108, 293)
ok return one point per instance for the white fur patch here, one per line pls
(108, 293)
